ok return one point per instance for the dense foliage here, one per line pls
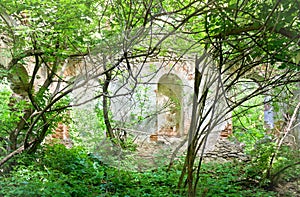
(57, 171)
(50, 51)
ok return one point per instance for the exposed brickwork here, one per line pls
(61, 135)
(227, 131)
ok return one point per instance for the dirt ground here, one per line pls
(289, 189)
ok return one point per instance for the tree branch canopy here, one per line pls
(292, 35)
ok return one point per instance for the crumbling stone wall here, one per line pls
(225, 150)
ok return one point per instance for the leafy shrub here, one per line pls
(226, 179)
(58, 172)
(158, 182)
(248, 123)
(268, 162)
(11, 110)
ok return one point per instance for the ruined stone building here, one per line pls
(155, 99)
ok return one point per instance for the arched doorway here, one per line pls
(169, 105)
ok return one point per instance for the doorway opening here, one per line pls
(169, 105)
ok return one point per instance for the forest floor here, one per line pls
(291, 188)
(156, 153)
(150, 155)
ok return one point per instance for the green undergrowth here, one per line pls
(228, 179)
(58, 171)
